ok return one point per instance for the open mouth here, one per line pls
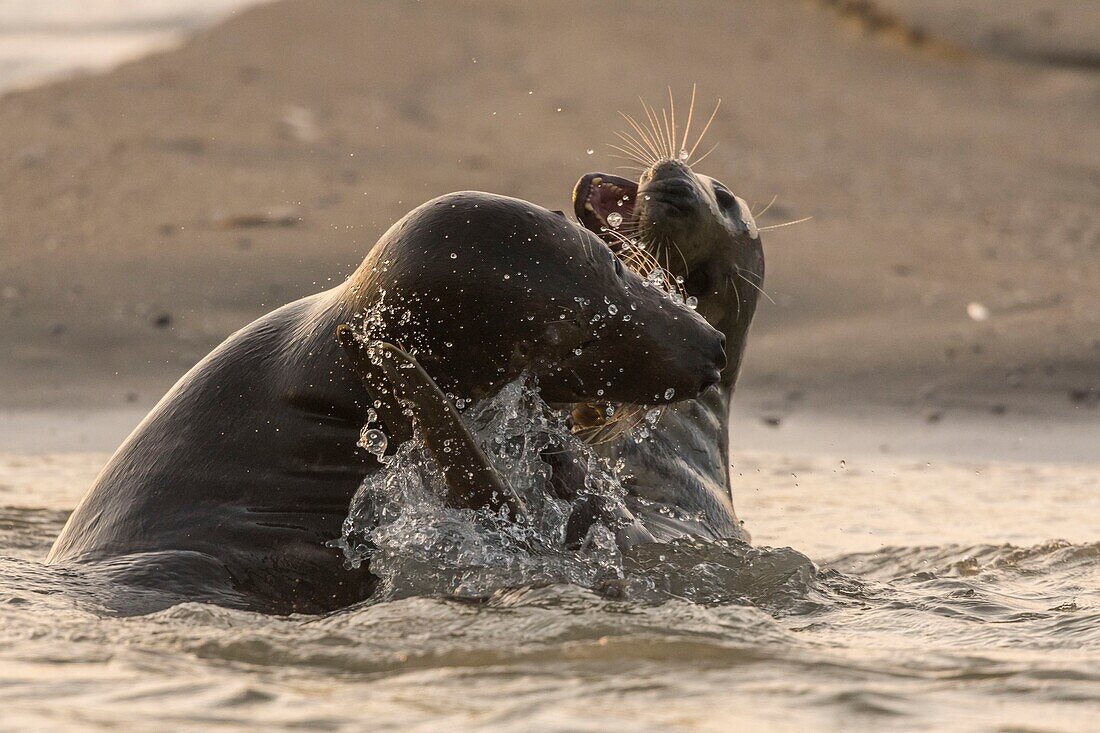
(604, 204)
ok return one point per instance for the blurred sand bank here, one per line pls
(952, 263)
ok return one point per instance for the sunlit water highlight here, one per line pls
(908, 617)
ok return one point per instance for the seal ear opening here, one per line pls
(408, 396)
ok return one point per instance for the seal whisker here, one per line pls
(758, 288)
(635, 146)
(668, 133)
(654, 135)
(654, 126)
(704, 155)
(664, 247)
(625, 418)
(642, 134)
(683, 259)
(705, 128)
(736, 294)
(626, 155)
(636, 154)
(650, 130)
(785, 224)
(750, 272)
(642, 140)
(630, 137)
(687, 127)
(672, 116)
(765, 209)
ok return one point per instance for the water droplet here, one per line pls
(612, 309)
(373, 441)
(454, 255)
(590, 151)
(684, 155)
(615, 219)
(692, 302)
(578, 352)
(669, 393)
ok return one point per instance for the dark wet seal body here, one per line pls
(230, 488)
(705, 235)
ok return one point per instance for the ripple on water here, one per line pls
(686, 635)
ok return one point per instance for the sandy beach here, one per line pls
(147, 212)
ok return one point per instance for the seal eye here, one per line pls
(698, 282)
(725, 198)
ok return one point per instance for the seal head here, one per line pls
(705, 239)
(701, 230)
(479, 288)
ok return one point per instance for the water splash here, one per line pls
(417, 545)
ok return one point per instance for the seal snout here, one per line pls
(671, 186)
(709, 359)
(718, 361)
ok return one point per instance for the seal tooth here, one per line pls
(597, 181)
(589, 207)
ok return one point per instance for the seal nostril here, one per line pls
(720, 350)
(677, 195)
(712, 378)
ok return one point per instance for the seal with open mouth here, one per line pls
(703, 238)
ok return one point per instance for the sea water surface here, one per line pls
(882, 593)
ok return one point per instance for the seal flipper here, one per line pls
(399, 381)
(398, 427)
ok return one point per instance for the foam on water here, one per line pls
(418, 546)
(399, 524)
